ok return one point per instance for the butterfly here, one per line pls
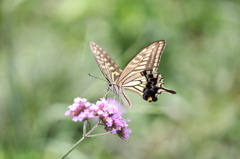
(139, 76)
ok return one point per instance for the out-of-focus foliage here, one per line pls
(45, 60)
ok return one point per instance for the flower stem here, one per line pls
(99, 134)
(70, 150)
(85, 127)
(79, 141)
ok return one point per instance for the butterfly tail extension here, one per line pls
(168, 90)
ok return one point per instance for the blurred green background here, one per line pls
(45, 60)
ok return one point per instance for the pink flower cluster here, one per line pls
(107, 111)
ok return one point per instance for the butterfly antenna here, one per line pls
(96, 77)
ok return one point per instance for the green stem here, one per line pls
(85, 127)
(70, 150)
(79, 141)
(99, 134)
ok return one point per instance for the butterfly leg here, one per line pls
(108, 90)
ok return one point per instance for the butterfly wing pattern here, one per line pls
(109, 68)
(139, 76)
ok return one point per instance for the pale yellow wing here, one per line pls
(140, 75)
(147, 59)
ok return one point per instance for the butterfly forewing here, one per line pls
(147, 59)
(109, 68)
(140, 75)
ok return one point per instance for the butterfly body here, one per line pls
(139, 76)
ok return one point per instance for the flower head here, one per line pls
(108, 112)
(112, 118)
(124, 133)
(79, 110)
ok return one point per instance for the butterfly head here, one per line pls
(112, 86)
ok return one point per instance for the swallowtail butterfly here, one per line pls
(139, 76)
